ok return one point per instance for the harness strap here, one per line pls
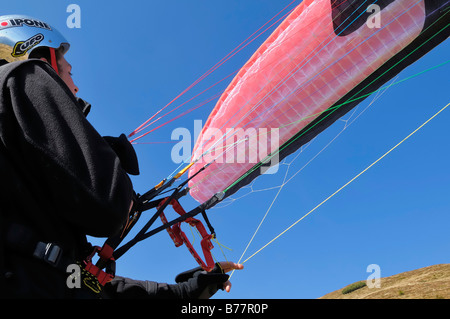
(22, 239)
(105, 253)
(180, 238)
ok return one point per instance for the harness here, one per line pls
(23, 240)
(104, 269)
(95, 275)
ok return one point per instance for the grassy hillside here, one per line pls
(431, 282)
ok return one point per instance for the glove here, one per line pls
(125, 151)
(202, 284)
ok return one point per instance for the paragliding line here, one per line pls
(220, 63)
(216, 66)
(285, 180)
(348, 183)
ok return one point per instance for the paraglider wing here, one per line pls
(323, 60)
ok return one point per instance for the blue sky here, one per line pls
(131, 58)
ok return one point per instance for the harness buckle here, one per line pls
(48, 252)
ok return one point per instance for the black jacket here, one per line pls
(60, 181)
(59, 177)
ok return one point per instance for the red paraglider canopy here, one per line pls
(317, 65)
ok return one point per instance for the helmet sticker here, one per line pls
(22, 47)
(10, 23)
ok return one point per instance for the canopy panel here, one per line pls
(316, 66)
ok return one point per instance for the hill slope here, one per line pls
(431, 282)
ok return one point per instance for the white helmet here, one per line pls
(20, 35)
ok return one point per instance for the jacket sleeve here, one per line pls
(192, 284)
(78, 168)
(126, 288)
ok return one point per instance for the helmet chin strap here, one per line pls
(53, 60)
